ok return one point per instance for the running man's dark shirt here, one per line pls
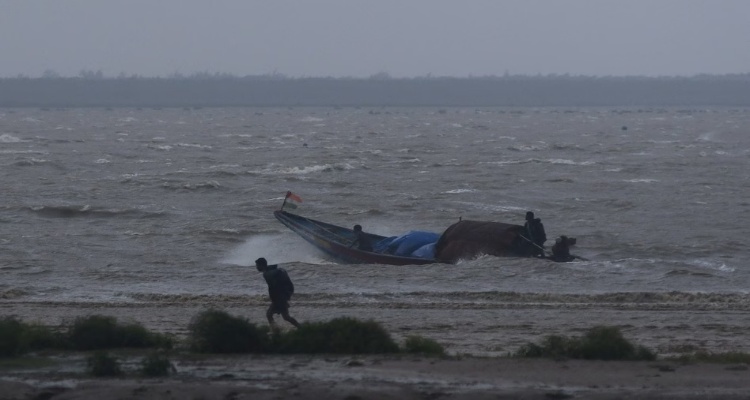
(280, 287)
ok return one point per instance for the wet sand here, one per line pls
(477, 339)
(394, 377)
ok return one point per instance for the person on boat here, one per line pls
(362, 241)
(534, 233)
(280, 289)
(561, 249)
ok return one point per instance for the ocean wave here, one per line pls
(162, 147)
(194, 145)
(556, 161)
(567, 147)
(228, 235)
(620, 299)
(12, 293)
(566, 162)
(93, 212)
(5, 151)
(305, 170)
(527, 148)
(641, 180)
(221, 174)
(7, 138)
(682, 271)
(191, 186)
(505, 162)
(29, 162)
(408, 161)
(456, 191)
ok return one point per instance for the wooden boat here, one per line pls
(464, 240)
(336, 241)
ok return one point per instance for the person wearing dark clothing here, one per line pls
(362, 241)
(534, 231)
(561, 249)
(280, 289)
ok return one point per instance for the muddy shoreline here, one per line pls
(386, 377)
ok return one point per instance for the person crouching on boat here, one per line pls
(561, 249)
(361, 241)
(280, 289)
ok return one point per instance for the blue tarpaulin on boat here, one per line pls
(427, 251)
(408, 244)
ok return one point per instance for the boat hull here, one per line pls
(336, 242)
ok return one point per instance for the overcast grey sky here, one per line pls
(404, 38)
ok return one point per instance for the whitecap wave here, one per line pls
(642, 180)
(6, 138)
(30, 161)
(194, 145)
(409, 161)
(305, 170)
(707, 137)
(455, 191)
(528, 147)
(23, 152)
(558, 161)
(567, 162)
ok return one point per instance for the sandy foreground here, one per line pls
(387, 377)
(476, 369)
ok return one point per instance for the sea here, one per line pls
(146, 205)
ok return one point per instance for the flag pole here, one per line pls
(284, 203)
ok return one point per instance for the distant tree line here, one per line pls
(92, 89)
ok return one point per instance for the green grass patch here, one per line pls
(599, 343)
(102, 332)
(156, 364)
(102, 364)
(215, 331)
(210, 331)
(25, 362)
(42, 337)
(421, 345)
(12, 337)
(338, 336)
(18, 337)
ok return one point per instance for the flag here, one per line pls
(292, 196)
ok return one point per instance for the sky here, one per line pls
(361, 38)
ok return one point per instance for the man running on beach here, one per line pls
(280, 289)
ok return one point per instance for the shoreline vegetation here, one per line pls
(214, 331)
(92, 89)
(225, 356)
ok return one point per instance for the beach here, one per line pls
(469, 371)
(395, 377)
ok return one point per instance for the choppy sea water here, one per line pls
(174, 205)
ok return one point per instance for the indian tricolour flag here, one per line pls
(294, 198)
